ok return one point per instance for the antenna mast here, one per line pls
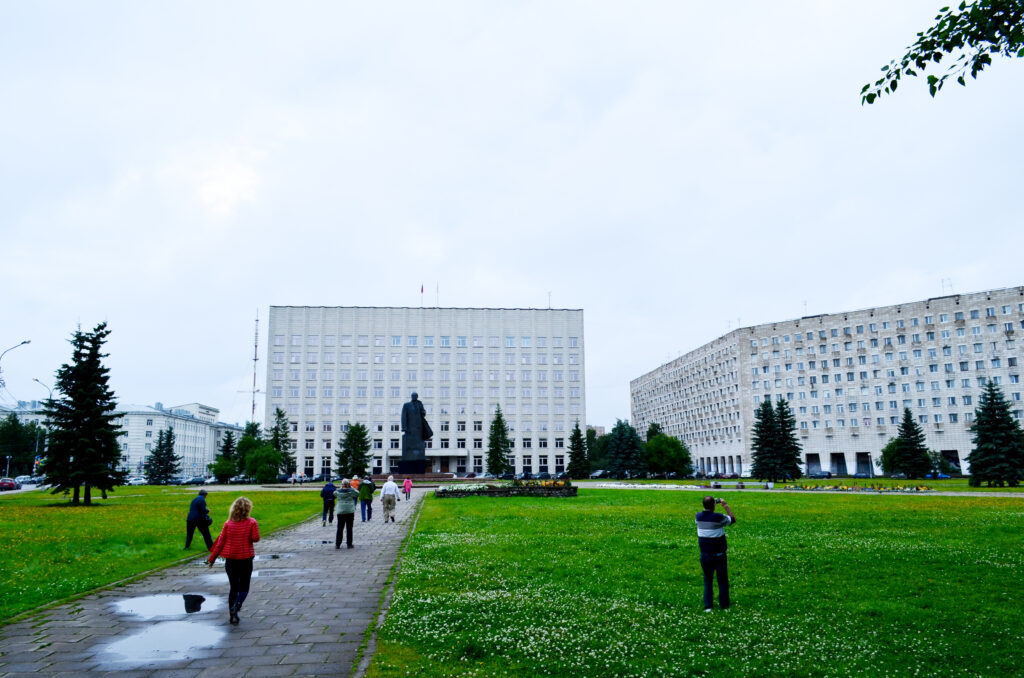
(255, 359)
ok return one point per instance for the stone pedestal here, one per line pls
(412, 467)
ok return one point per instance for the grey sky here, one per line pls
(671, 168)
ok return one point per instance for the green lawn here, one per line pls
(950, 485)
(50, 550)
(608, 584)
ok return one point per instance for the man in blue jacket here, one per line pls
(198, 518)
(327, 494)
(711, 538)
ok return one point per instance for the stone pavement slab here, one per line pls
(308, 610)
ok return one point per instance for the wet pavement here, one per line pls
(307, 613)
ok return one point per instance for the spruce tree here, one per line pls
(578, 465)
(787, 446)
(84, 451)
(280, 440)
(998, 453)
(912, 456)
(163, 465)
(498, 445)
(625, 451)
(353, 455)
(223, 467)
(764, 460)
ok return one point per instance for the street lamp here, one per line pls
(2, 384)
(44, 386)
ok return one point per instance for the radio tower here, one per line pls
(255, 359)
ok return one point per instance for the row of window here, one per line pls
(346, 358)
(444, 443)
(426, 392)
(327, 376)
(978, 347)
(414, 341)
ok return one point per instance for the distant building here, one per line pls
(848, 377)
(197, 433)
(598, 430)
(332, 366)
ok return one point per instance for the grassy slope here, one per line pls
(50, 550)
(609, 584)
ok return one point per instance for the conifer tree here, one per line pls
(246, 446)
(912, 456)
(625, 451)
(764, 444)
(998, 453)
(578, 465)
(498, 445)
(163, 465)
(224, 466)
(787, 450)
(353, 455)
(84, 451)
(227, 446)
(654, 429)
(280, 440)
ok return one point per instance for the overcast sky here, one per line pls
(672, 168)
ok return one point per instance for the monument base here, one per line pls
(412, 467)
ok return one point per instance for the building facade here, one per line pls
(197, 433)
(847, 376)
(330, 367)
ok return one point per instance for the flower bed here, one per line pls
(866, 488)
(546, 488)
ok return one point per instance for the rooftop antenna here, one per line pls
(255, 360)
(947, 282)
(549, 300)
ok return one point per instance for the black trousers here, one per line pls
(345, 519)
(204, 529)
(715, 566)
(239, 575)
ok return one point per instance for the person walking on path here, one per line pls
(235, 543)
(355, 483)
(407, 488)
(389, 498)
(198, 519)
(327, 494)
(345, 507)
(711, 539)
(366, 489)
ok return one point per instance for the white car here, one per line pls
(136, 481)
(24, 480)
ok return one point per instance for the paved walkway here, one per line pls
(306, 615)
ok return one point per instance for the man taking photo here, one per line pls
(711, 538)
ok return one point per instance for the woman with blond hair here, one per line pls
(234, 543)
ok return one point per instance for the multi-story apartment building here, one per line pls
(329, 367)
(197, 433)
(847, 376)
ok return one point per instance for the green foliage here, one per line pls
(163, 465)
(22, 443)
(578, 466)
(775, 450)
(280, 440)
(84, 451)
(597, 450)
(252, 429)
(51, 552)
(666, 454)
(822, 585)
(654, 429)
(887, 460)
(974, 31)
(246, 446)
(261, 463)
(228, 445)
(912, 455)
(625, 451)
(223, 468)
(353, 455)
(998, 453)
(498, 445)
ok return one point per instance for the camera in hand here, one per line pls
(718, 501)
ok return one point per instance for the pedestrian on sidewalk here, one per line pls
(235, 543)
(407, 487)
(198, 519)
(366, 489)
(345, 507)
(327, 494)
(388, 498)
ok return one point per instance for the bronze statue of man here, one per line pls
(415, 429)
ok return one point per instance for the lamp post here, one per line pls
(44, 386)
(27, 341)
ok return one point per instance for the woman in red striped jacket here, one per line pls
(235, 542)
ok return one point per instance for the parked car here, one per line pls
(506, 476)
(942, 476)
(861, 475)
(899, 476)
(820, 474)
(543, 475)
(524, 475)
(562, 475)
(485, 476)
(136, 480)
(239, 480)
(24, 480)
(320, 478)
(9, 484)
(193, 480)
(599, 474)
(212, 480)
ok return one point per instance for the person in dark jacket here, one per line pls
(327, 494)
(346, 499)
(366, 489)
(198, 519)
(711, 539)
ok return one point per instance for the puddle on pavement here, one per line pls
(315, 542)
(165, 642)
(202, 562)
(167, 605)
(219, 580)
(273, 556)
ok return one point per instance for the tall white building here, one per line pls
(847, 376)
(332, 366)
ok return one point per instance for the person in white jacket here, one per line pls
(389, 498)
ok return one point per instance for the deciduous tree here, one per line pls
(666, 454)
(22, 443)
